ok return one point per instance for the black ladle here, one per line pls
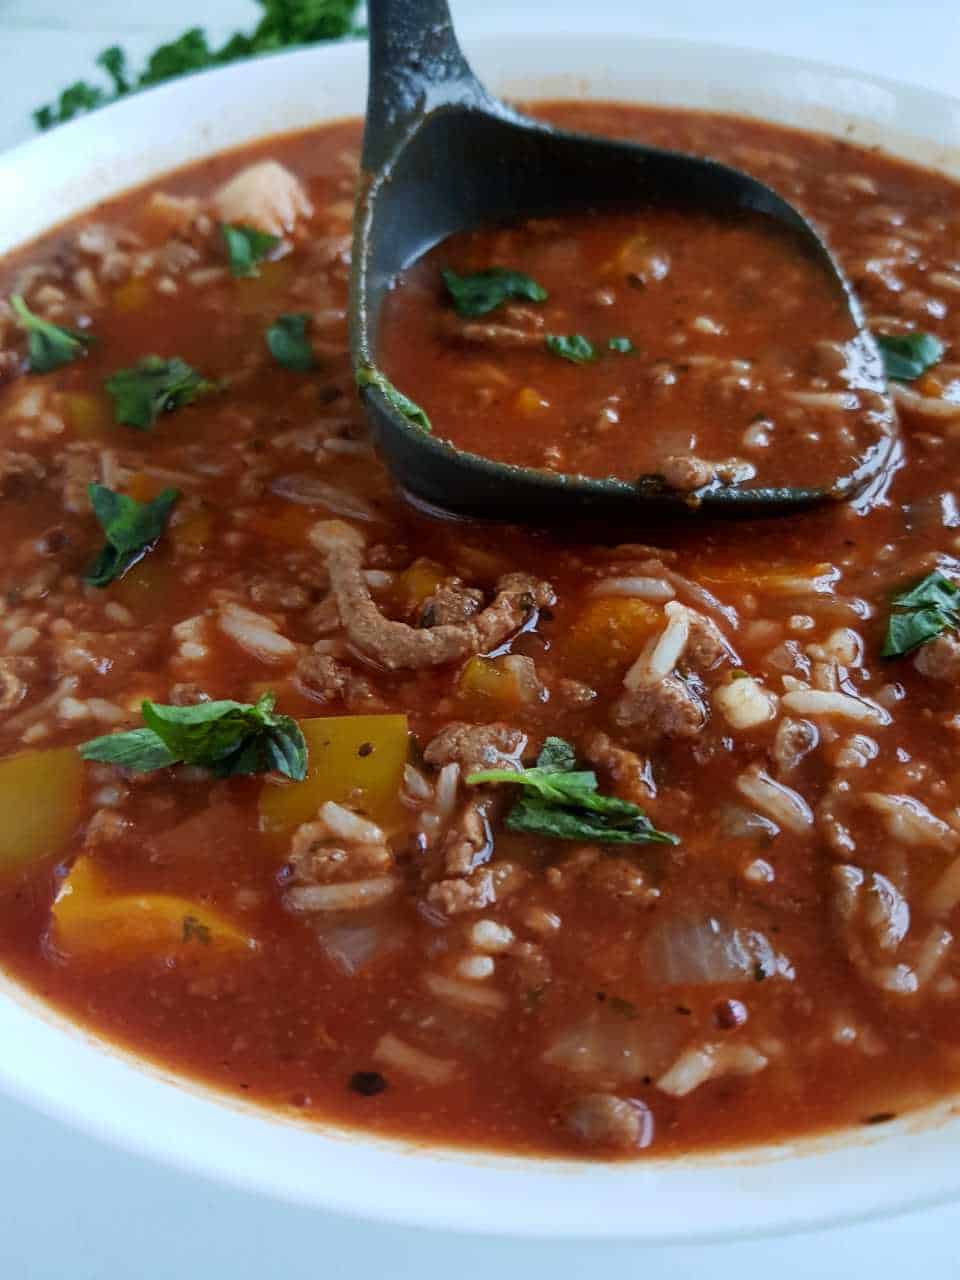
(441, 155)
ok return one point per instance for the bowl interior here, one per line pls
(71, 1074)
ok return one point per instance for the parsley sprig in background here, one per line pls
(285, 23)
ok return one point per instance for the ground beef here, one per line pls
(469, 842)
(629, 773)
(477, 746)
(939, 658)
(326, 679)
(396, 645)
(19, 473)
(670, 709)
(450, 604)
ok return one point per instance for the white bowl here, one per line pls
(73, 1075)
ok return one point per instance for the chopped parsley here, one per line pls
(929, 608)
(907, 357)
(195, 930)
(289, 342)
(131, 529)
(622, 345)
(574, 347)
(368, 376)
(48, 345)
(483, 291)
(562, 801)
(284, 23)
(246, 246)
(229, 738)
(152, 387)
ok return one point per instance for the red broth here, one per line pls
(658, 342)
(379, 945)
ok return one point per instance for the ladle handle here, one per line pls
(415, 63)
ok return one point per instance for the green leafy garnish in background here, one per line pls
(152, 387)
(289, 342)
(246, 246)
(131, 529)
(926, 610)
(229, 738)
(483, 291)
(285, 23)
(48, 345)
(563, 801)
(368, 376)
(574, 347)
(621, 345)
(907, 357)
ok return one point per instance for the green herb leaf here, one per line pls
(926, 610)
(139, 750)
(368, 376)
(284, 23)
(195, 930)
(132, 529)
(48, 345)
(623, 345)
(230, 738)
(154, 386)
(574, 347)
(288, 341)
(483, 291)
(907, 357)
(246, 246)
(566, 804)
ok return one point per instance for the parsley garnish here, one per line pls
(574, 347)
(926, 610)
(246, 246)
(564, 802)
(229, 738)
(368, 376)
(48, 345)
(154, 386)
(288, 341)
(284, 23)
(131, 528)
(484, 291)
(195, 930)
(622, 345)
(906, 358)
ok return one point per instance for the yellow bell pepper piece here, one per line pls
(290, 527)
(528, 401)
(144, 587)
(143, 487)
(89, 919)
(258, 293)
(354, 760)
(191, 535)
(613, 629)
(489, 680)
(88, 414)
(134, 294)
(417, 583)
(40, 795)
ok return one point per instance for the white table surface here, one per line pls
(72, 1209)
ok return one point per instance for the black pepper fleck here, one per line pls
(367, 1083)
(365, 749)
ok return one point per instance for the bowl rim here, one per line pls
(116, 1097)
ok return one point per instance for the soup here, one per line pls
(706, 351)
(515, 839)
